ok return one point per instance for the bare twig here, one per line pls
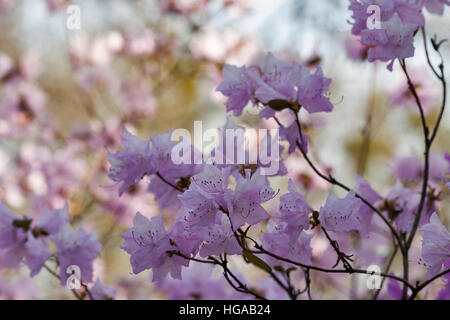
(168, 182)
(330, 179)
(420, 287)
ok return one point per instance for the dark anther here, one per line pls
(184, 182)
(243, 167)
(37, 232)
(22, 224)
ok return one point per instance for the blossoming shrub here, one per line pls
(219, 208)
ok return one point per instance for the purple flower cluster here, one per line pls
(397, 20)
(277, 85)
(215, 202)
(25, 239)
(219, 216)
(210, 213)
(273, 79)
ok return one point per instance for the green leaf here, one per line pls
(279, 268)
(279, 104)
(256, 261)
(24, 224)
(291, 269)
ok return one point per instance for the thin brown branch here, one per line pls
(422, 286)
(168, 182)
(333, 181)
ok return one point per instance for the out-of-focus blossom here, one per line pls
(23, 239)
(218, 47)
(439, 168)
(102, 292)
(123, 208)
(198, 283)
(97, 135)
(394, 289)
(22, 100)
(140, 43)
(138, 100)
(50, 177)
(56, 5)
(90, 78)
(6, 65)
(91, 60)
(272, 291)
(436, 6)
(410, 169)
(302, 174)
(183, 7)
(355, 49)
(401, 96)
(6, 5)
(98, 51)
(21, 289)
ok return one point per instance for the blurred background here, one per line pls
(67, 92)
